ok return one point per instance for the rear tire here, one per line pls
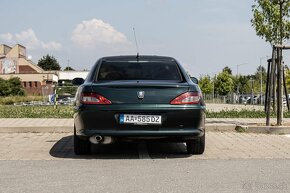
(196, 146)
(81, 147)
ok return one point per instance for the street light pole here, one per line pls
(213, 81)
(238, 77)
(252, 90)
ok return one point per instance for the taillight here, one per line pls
(94, 99)
(187, 98)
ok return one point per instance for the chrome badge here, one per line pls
(140, 94)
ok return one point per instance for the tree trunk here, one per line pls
(270, 82)
(279, 88)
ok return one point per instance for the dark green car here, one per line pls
(143, 97)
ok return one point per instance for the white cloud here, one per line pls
(94, 33)
(30, 40)
(6, 36)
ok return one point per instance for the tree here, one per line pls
(48, 63)
(241, 84)
(11, 87)
(271, 21)
(4, 88)
(227, 69)
(260, 73)
(68, 68)
(261, 70)
(205, 84)
(15, 86)
(266, 20)
(287, 77)
(224, 83)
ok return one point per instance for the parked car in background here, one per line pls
(244, 99)
(67, 100)
(143, 97)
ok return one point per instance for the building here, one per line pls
(68, 76)
(14, 63)
(65, 86)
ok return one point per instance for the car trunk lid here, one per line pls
(140, 92)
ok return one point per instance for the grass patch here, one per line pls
(36, 112)
(10, 111)
(18, 99)
(242, 114)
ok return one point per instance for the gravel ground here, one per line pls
(218, 107)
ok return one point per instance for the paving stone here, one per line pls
(219, 145)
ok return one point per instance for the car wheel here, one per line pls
(196, 146)
(81, 147)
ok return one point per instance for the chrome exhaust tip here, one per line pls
(98, 139)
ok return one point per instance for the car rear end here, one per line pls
(146, 97)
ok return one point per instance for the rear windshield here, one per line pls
(141, 70)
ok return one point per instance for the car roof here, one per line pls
(140, 57)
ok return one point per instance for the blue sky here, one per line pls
(204, 36)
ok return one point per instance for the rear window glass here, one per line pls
(142, 70)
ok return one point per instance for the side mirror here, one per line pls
(194, 80)
(78, 81)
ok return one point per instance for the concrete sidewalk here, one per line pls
(39, 125)
(8, 125)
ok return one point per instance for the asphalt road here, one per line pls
(232, 162)
(133, 175)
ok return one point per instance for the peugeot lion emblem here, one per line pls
(140, 94)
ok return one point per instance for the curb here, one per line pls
(278, 130)
(209, 127)
(69, 129)
(37, 129)
(220, 127)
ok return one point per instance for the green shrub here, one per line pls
(11, 87)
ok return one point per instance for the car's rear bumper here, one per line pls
(178, 121)
(184, 133)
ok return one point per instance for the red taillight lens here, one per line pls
(94, 99)
(187, 98)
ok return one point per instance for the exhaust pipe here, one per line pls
(98, 139)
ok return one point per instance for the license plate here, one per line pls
(140, 119)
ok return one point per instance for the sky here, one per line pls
(204, 36)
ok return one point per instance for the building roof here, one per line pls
(70, 75)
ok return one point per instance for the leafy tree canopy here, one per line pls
(287, 77)
(227, 69)
(224, 83)
(261, 70)
(68, 68)
(11, 87)
(266, 20)
(205, 84)
(48, 63)
(242, 85)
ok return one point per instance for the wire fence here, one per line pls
(234, 99)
